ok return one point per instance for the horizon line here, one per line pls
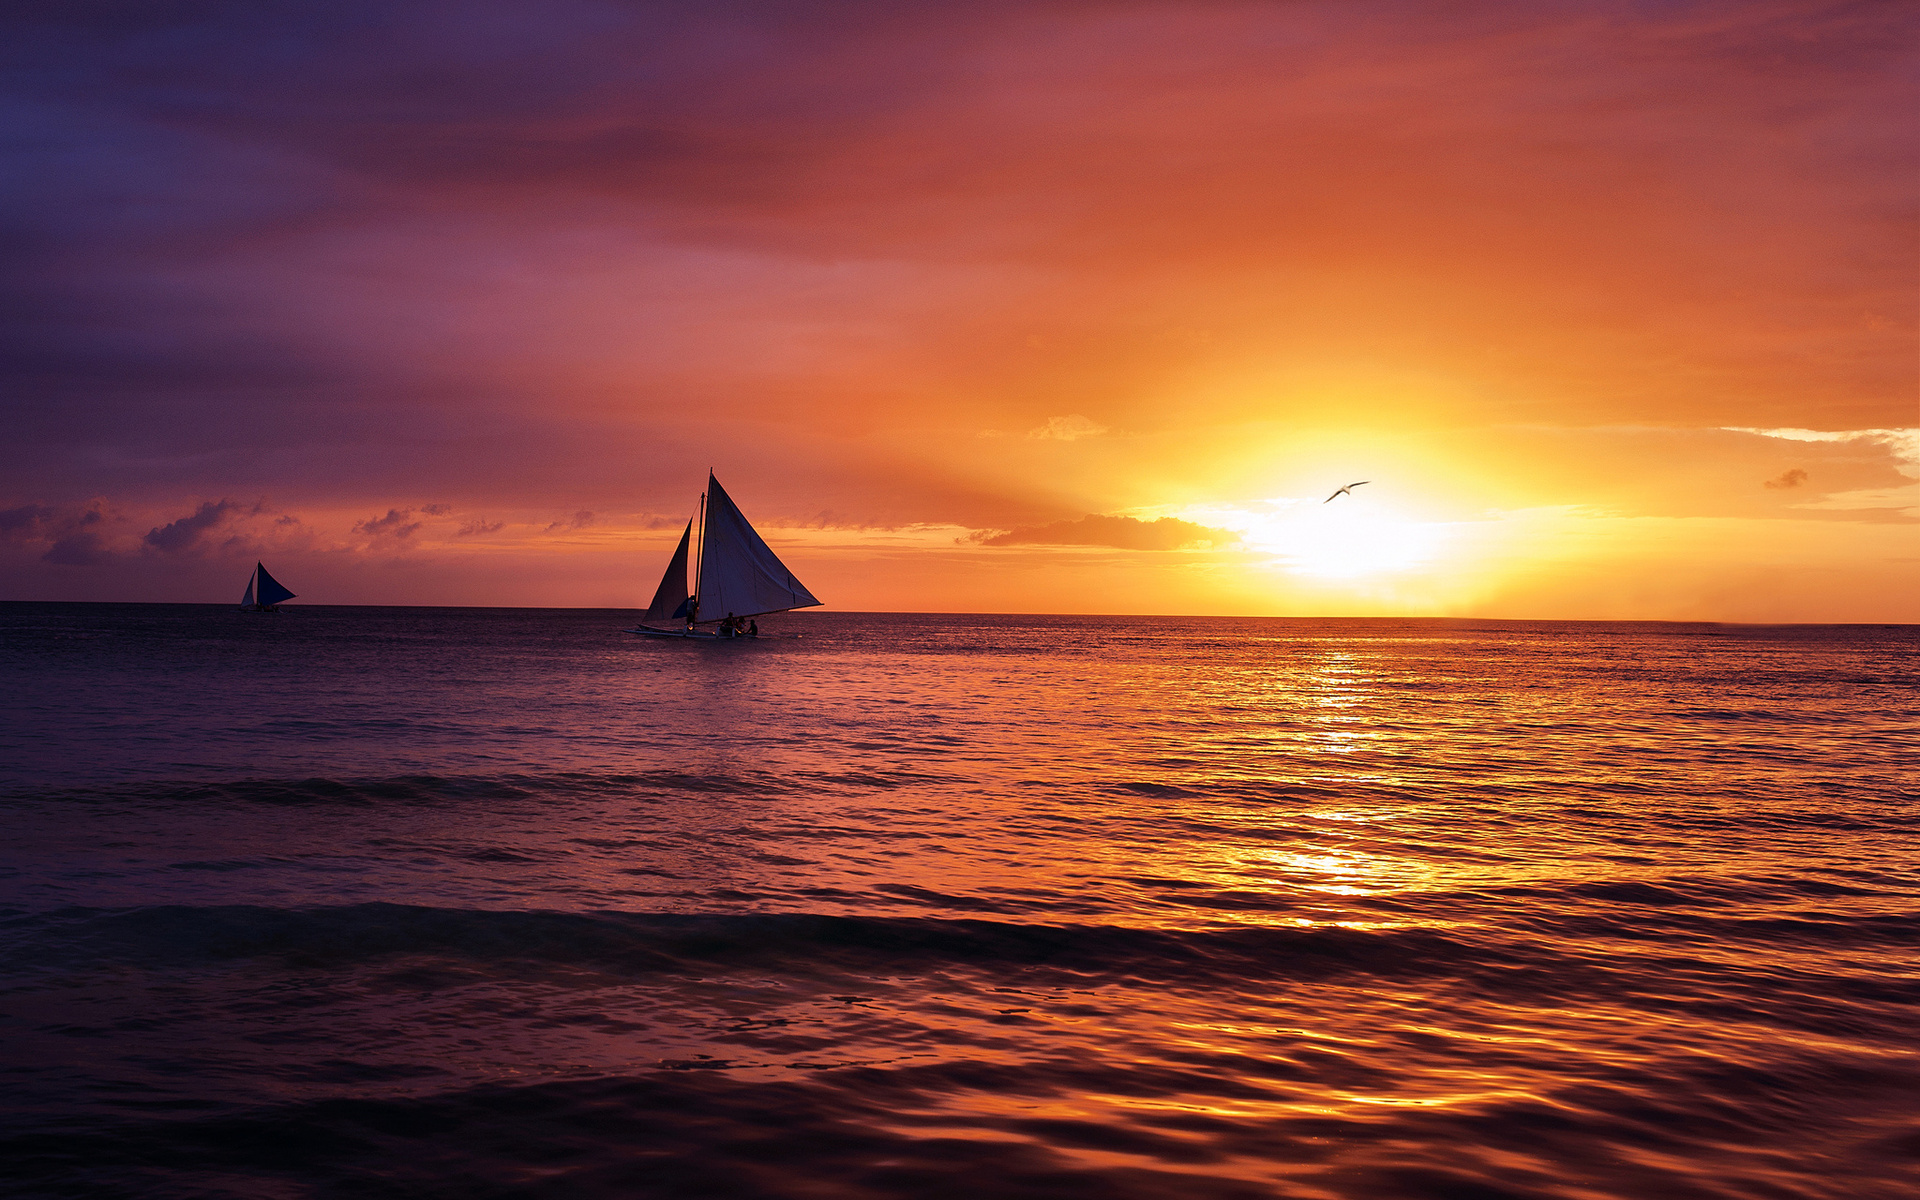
(1111, 616)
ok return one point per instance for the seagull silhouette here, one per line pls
(1345, 491)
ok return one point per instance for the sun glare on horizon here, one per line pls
(1353, 537)
(1350, 541)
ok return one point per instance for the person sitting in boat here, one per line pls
(753, 629)
(730, 627)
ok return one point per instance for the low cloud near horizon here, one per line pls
(1120, 533)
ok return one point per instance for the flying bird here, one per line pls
(1345, 491)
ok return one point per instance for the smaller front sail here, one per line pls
(271, 591)
(246, 601)
(670, 601)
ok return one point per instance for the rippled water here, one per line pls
(477, 903)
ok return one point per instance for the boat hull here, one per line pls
(693, 635)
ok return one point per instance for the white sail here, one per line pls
(739, 575)
(670, 601)
(246, 601)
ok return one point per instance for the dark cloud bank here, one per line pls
(189, 532)
(74, 535)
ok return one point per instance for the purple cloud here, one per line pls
(24, 521)
(83, 549)
(184, 535)
(398, 523)
(79, 539)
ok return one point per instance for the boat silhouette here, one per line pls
(735, 577)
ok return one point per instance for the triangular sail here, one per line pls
(670, 601)
(739, 575)
(246, 601)
(271, 591)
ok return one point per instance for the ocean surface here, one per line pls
(387, 902)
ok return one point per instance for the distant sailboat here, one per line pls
(736, 576)
(264, 592)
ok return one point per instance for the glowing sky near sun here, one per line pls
(1016, 307)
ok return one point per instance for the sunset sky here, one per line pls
(1022, 307)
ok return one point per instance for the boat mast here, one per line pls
(699, 557)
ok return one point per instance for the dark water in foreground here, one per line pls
(469, 903)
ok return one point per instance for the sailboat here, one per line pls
(264, 592)
(735, 576)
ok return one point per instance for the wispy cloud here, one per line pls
(1903, 444)
(1120, 533)
(1067, 429)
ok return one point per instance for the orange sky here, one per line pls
(1614, 304)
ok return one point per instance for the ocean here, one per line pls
(477, 903)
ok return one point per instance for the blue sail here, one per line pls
(271, 591)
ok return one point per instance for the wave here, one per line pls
(182, 936)
(431, 789)
(681, 1135)
(1706, 1128)
(1568, 958)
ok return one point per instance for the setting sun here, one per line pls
(1346, 539)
